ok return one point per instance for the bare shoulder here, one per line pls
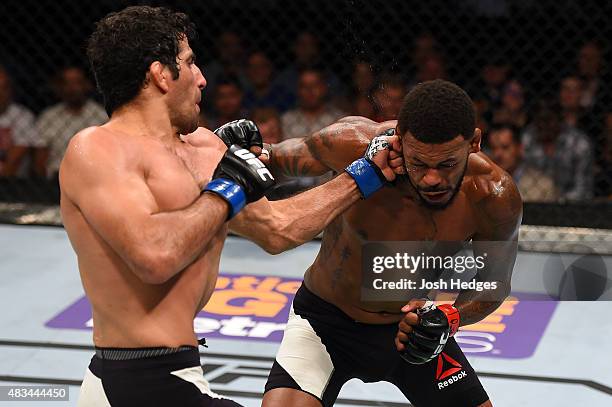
(88, 153)
(90, 142)
(95, 152)
(492, 191)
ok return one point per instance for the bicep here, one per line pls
(331, 148)
(294, 158)
(337, 145)
(118, 211)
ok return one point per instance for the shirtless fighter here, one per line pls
(145, 209)
(451, 191)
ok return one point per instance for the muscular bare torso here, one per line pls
(126, 311)
(393, 213)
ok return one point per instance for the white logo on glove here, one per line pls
(377, 144)
(251, 160)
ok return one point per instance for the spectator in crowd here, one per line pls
(603, 169)
(269, 123)
(561, 152)
(590, 67)
(388, 97)
(512, 109)
(312, 113)
(596, 97)
(307, 55)
(424, 45)
(358, 100)
(570, 93)
(432, 67)
(18, 134)
(261, 90)
(507, 151)
(488, 95)
(481, 122)
(230, 61)
(76, 111)
(227, 102)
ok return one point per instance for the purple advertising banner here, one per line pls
(255, 308)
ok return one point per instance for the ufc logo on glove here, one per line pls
(254, 161)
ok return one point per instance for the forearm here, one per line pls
(475, 310)
(474, 306)
(307, 214)
(175, 239)
(282, 225)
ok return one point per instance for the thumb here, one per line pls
(256, 150)
(414, 304)
(381, 159)
(396, 144)
(264, 158)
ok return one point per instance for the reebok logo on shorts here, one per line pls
(443, 372)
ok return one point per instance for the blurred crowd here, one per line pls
(557, 148)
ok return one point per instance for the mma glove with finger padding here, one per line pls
(241, 132)
(428, 338)
(365, 172)
(240, 178)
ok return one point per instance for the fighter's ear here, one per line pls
(475, 141)
(159, 76)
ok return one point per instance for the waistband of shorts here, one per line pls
(305, 302)
(186, 356)
(140, 353)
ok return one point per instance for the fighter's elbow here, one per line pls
(275, 245)
(154, 268)
(282, 238)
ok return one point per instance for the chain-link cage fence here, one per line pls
(538, 73)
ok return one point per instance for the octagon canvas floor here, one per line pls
(526, 354)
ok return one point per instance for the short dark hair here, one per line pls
(514, 130)
(124, 45)
(436, 112)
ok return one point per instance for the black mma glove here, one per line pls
(365, 172)
(240, 178)
(429, 336)
(241, 132)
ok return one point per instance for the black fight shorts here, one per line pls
(148, 377)
(323, 348)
